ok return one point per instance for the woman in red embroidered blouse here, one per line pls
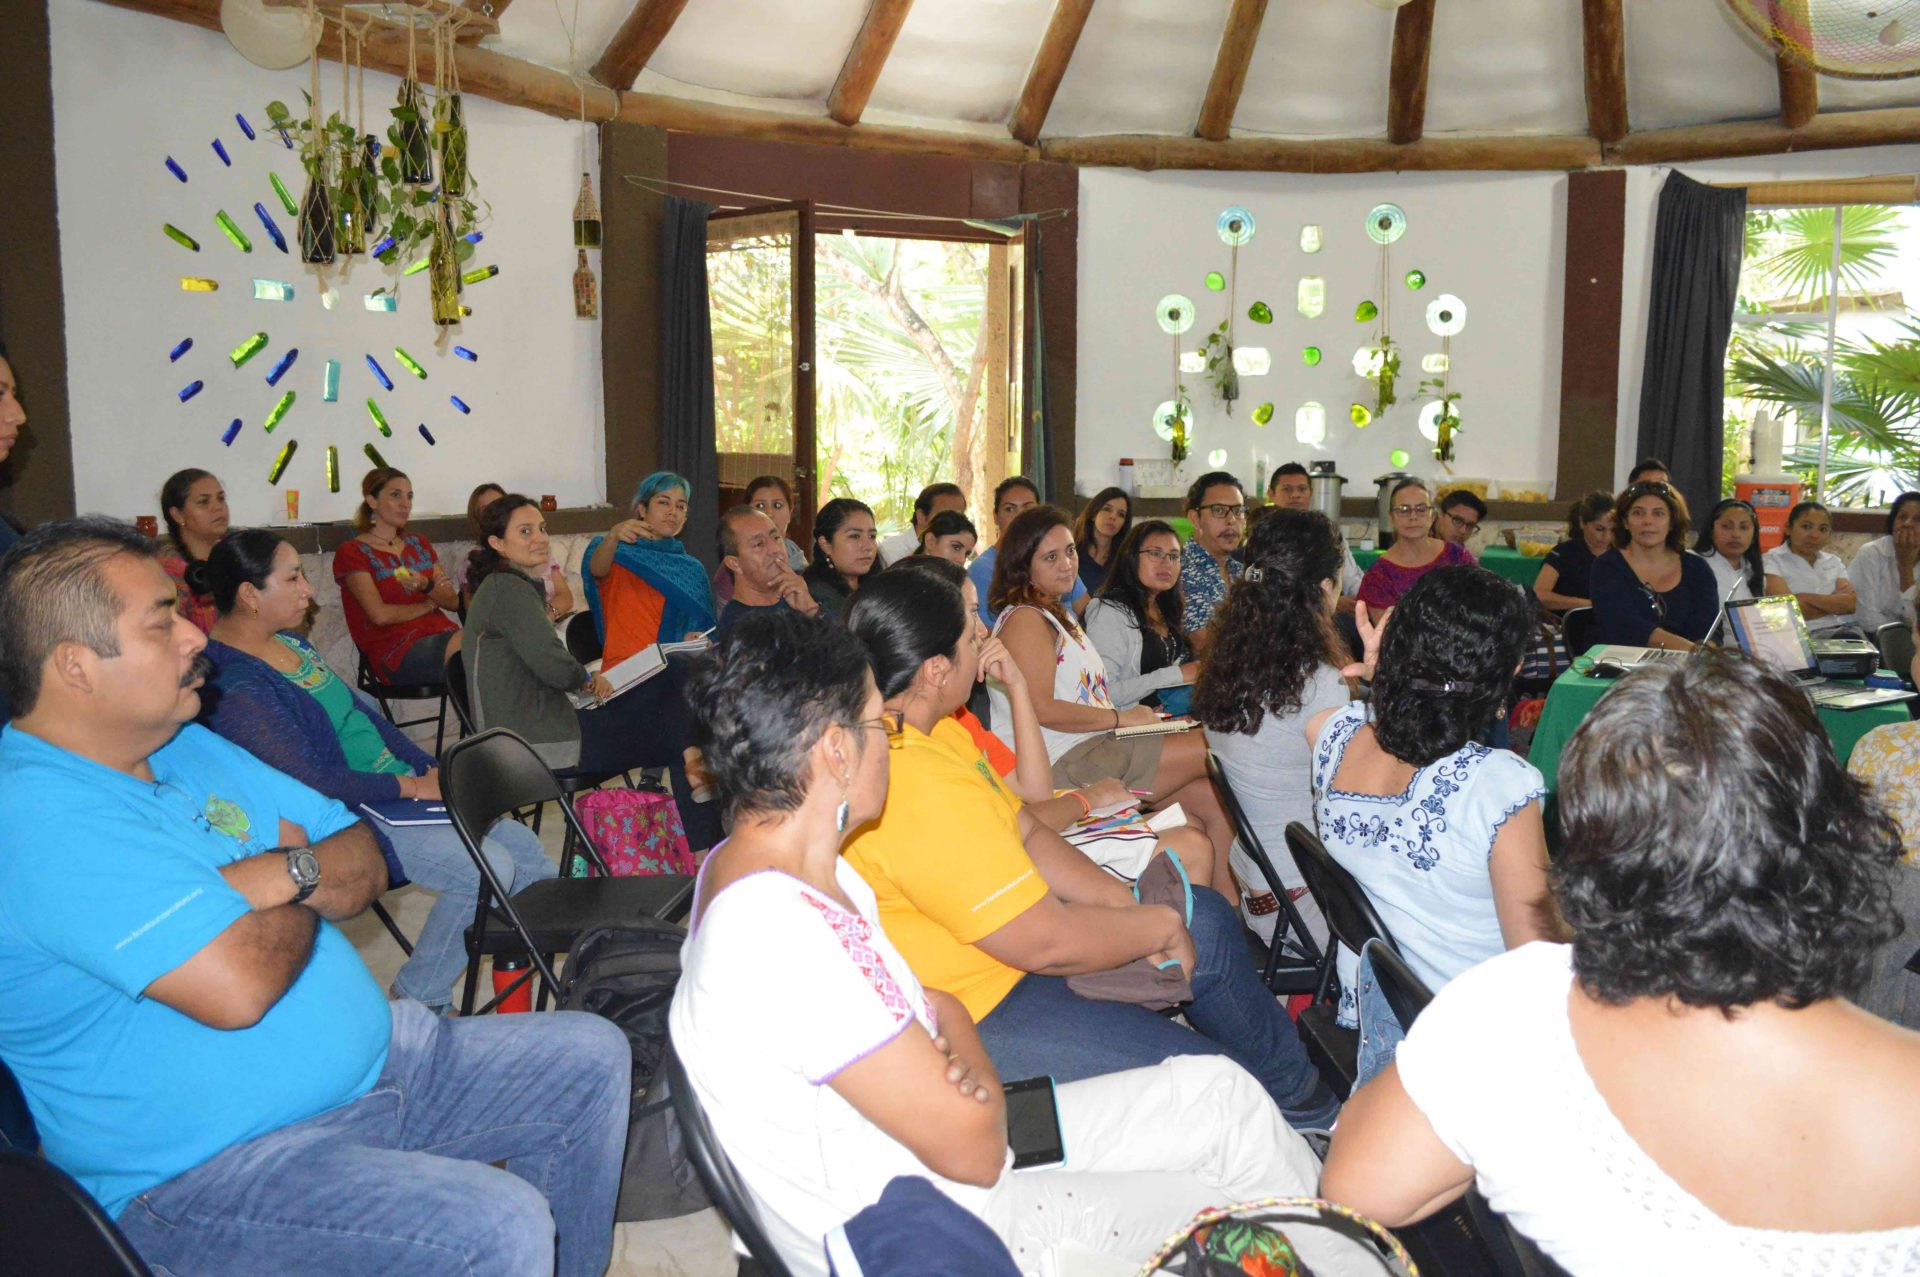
(393, 586)
(1415, 550)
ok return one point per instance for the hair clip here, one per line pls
(1445, 688)
(1252, 574)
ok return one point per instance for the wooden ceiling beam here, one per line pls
(475, 35)
(1049, 67)
(1230, 69)
(865, 60)
(634, 43)
(1889, 126)
(1407, 83)
(1327, 155)
(683, 115)
(1604, 41)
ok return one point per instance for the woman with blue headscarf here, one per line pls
(640, 581)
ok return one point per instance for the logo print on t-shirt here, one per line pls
(229, 818)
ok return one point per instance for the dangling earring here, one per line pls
(840, 812)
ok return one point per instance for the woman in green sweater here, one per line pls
(519, 674)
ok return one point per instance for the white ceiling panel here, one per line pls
(1319, 70)
(1691, 62)
(760, 49)
(1141, 66)
(1506, 66)
(537, 30)
(1856, 95)
(961, 60)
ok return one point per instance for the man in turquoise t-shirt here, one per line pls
(198, 1043)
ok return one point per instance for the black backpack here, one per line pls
(628, 975)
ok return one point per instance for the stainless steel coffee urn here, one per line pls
(1386, 484)
(1326, 486)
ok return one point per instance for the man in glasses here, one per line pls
(1217, 507)
(1461, 513)
(1648, 470)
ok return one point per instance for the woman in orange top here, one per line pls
(640, 581)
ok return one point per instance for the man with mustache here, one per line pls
(199, 1044)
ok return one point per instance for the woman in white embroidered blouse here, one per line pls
(1684, 1089)
(1443, 833)
(826, 1068)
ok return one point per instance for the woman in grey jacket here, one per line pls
(1134, 623)
(519, 675)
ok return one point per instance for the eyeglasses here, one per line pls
(1161, 556)
(1220, 510)
(893, 722)
(1467, 526)
(1420, 511)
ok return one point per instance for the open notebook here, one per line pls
(638, 668)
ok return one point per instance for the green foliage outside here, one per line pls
(898, 361)
(1874, 414)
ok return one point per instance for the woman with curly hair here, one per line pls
(1684, 1088)
(1134, 622)
(1275, 665)
(1443, 833)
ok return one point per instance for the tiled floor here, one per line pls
(694, 1246)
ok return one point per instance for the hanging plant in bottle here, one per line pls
(317, 212)
(450, 137)
(408, 133)
(1218, 349)
(355, 189)
(443, 268)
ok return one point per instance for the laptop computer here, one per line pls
(1772, 630)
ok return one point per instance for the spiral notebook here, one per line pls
(1165, 727)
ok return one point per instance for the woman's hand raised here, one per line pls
(1370, 632)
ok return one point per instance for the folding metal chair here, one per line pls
(51, 1224)
(717, 1173)
(486, 778)
(1293, 961)
(1352, 920)
(385, 692)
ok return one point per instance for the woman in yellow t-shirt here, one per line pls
(993, 908)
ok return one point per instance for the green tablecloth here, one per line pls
(1573, 695)
(1497, 559)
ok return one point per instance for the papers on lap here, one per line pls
(638, 668)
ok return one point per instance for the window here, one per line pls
(1826, 341)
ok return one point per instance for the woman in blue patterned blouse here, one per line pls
(1443, 833)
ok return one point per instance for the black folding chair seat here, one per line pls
(556, 910)
(717, 1174)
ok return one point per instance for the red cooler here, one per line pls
(1771, 496)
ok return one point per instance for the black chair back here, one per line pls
(1405, 992)
(583, 640)
(18, 1132)
(1577, 625)
(457, 692)
(1350, 916)
(50, 1223)
(717, 1173)
(486, 777)
(1512, 1251)
(1294, 957)
(1895, 640)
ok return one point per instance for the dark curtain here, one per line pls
(686, 370)
(1697, 242)
(1038, 429)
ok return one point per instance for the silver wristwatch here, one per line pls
(304, 868)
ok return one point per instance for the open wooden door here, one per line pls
(760, 290)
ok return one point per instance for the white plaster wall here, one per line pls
(1643, 204)
(1495, 240)
(129, 90)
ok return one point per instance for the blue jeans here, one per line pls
(1043, 1027)
(1380, 1029)
(434, 857)
(398, 1182)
